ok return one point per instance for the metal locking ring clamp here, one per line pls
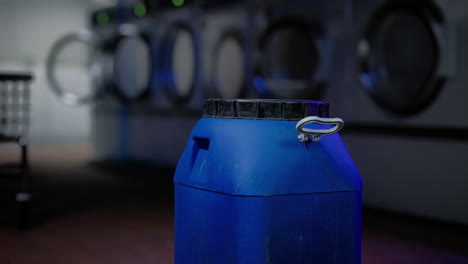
(307, 134)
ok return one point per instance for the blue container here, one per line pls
(248, 191)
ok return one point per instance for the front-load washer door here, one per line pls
(75, 53)
(291, 61)
(132, 69)
(180, 62)
(229, 66)
(399, 57)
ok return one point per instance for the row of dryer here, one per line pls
(386, 62)
(394, 70)
(155, 60)
(173, 56)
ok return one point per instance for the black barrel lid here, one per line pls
(271, 109)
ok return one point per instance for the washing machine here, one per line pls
(120, 58)
(228, 45)
(299, 50)
(406, 124)
(158, 129)
(133, 52)
(178, 70)
(121, 62)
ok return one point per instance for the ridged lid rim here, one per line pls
(264, 109)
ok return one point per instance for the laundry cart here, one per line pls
(14, 126)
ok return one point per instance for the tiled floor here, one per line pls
(92, 213)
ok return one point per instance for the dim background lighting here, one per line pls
(178, 2)
(140, 10)
(103, 18)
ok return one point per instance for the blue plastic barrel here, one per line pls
(247, 190)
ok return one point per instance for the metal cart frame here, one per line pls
(14, 127)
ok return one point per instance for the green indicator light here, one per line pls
(178, 2)
(103, 18)
(139, 10)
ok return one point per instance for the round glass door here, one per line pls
(399, 59)
(289, 61)
(132, 67)
(229, 67)
(70, 66)
(180, 63)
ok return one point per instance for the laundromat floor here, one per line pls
(100, 212)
